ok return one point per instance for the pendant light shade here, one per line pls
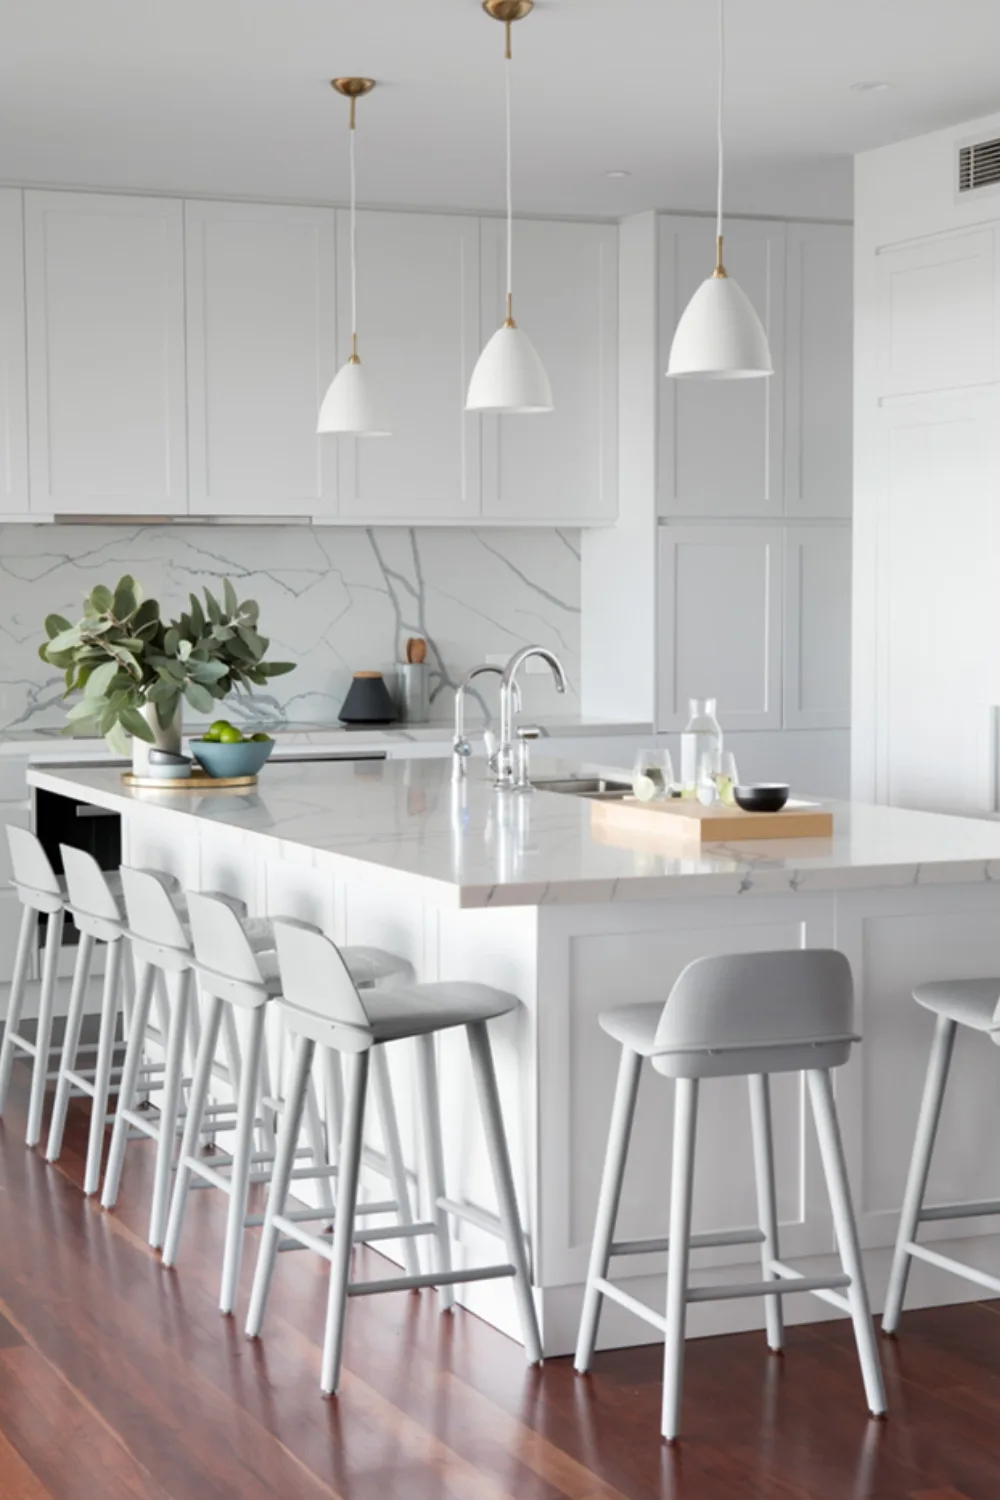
(352, 406)
(720, 336)
(509, 376)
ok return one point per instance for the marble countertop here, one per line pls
(52, 745)
(405, 824)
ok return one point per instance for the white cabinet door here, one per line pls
(13, 366)
(818, 370)
(720, 624)
(261, 351)
(939, 314)
(817, 634)
(418, 336)
(105, 292)
(721, 441)
(560, 467)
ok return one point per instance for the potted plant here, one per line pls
(135, 671)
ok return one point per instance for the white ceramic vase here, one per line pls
(165, 739)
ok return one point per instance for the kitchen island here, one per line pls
(521, 891)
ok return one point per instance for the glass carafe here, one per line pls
(702, 737)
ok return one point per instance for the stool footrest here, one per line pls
(958, 1267)
(825, 1294)
(696, 1242)
(980, 1210)
(429, 1279)
(471, 1215)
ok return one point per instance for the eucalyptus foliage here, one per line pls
(122, 656)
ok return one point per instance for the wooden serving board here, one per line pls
(198, 781)
(679, 818)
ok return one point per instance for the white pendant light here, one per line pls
(509, 376)
(720, 336)
(352, 406)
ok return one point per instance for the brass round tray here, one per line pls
(198, 781)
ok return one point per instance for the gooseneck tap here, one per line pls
(509, 705)
(460, 747)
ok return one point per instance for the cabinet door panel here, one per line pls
(720, 624)
(13, 366)
(105, 293)
(418, 334)
(721, 441)
(261, 352)
(938, 312)
(818, 370)
(817, 668)
(561, 466)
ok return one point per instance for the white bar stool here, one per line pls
(322, 1006)
(734, 1015)
(161, 945)
(39, 890)
(955, 1002)
(231, 974)
(92, 901)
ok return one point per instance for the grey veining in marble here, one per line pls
(333, 600)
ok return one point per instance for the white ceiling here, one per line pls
(230, 97)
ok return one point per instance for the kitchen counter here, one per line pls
(517, 891)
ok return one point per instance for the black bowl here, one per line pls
(764, 797)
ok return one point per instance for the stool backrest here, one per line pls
(315, 980)
(33, 872)
(152, 916)
(87, 885)
(226, 962)
(731, 1002)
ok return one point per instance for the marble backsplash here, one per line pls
(333, 600)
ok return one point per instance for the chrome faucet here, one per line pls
(507, 774)
(461, 750)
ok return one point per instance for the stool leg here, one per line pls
(288, 1138)
(110, 1002)
(681, 1190)
(430, 1119)
(145, 980)
(19, 983)
(43, 1037)
(239, 1177)
(333, 1089)
(394, 1154)
(343, 1228)
(71, 1044)
(619, 1132)
(173, 1073)
(835, 1171)
(496, 1141)
(920, 1165)
(767, 1210)
(316, 1135)
(191, 1140)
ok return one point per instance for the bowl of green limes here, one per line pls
(225, 751)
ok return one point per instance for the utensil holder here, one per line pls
(414, 696)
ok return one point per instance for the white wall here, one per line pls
(926, 668)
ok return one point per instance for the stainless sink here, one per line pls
(583, 786)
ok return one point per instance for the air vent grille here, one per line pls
(979, 166)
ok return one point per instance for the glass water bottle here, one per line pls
(702, 737)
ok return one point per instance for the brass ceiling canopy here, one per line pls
(352, 88)
(508, 10)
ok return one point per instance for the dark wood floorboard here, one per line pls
(120, 1380)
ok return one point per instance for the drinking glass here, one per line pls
(648, 775)
(726, 778)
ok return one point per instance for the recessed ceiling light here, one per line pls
(872, 86)
(618, 172)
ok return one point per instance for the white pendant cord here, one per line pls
(510, 184)
(354, 246)
(719, 130)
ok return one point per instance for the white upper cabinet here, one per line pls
(13, 368)
(817, 666)
(418, 336)
(561, 466)
(105, 304)
(721, 442)
(818, 370)
(938, 313)
(261, 350)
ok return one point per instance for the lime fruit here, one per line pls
(260, 738)
(230, 735)
(214, 731)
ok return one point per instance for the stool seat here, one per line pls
(970, 1002)
(366, 966)
(634, 1026)
(407, 1010)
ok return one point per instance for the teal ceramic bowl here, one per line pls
(243, 759)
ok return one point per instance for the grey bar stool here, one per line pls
(231, 975)
(732, 1016)
(955, 1002)
(40, 892)
(323, 1007)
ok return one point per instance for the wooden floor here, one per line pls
(119, 1379)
